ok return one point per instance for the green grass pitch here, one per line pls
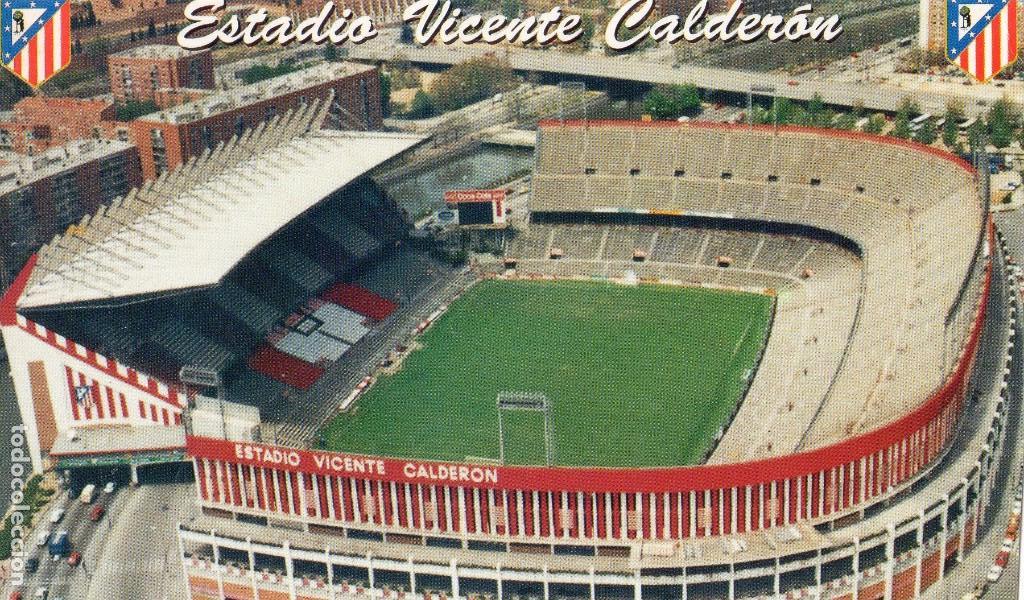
(636, 375)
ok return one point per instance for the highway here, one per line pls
(637, 68)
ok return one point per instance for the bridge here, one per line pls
(635, 68)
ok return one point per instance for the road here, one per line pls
(638, 68)
(978, 560)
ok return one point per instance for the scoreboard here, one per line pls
(477, 207)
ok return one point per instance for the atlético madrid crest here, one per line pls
(36, 40)
(981, 36)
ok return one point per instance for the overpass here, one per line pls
(874, 96)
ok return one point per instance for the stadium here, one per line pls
(709, 361)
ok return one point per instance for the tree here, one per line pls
(901, 127)
(875, 124)
(1002, 121)
(133, 109)
(330, 52)
(471, 81)
(422, 106)
(950, 130)
(385, 93)
(671, 101)
(817, 116)
(846, 121)
(976, 136)
(587, 32)
(909, 108)
(927, 134)
(511, 8)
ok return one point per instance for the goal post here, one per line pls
(535, 402)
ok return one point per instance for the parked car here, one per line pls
(994, 573)
(97, 512)
(16, 595)
(41, 593)
(32, 565)
(109, 488)
(74, 558)
(56, 515)
(43, 537)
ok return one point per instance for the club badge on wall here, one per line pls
(83, 396)
(36, 38)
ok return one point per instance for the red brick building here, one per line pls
(140, 73)
(37, 122)
(40, 196)
(170, 137)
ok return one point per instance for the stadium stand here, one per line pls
(255, 313)
(904, 284)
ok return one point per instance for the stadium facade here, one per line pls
(871, 488)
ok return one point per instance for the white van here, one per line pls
(88, 494)
(56, 515)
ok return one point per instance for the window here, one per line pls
(859, 188)
(154, 78)
(726, 175)
(208, 137)
(66, 207)
(195, 77)
(679, 173)
(5, 139)
(815, 182)
(634, 171)
(590, 171)
(773, 178)
(122, 134)
(239, 125)
(271, 112)
(159, 150)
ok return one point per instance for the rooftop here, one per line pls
(223, 101)
(154, 51)
(218, 206)
(21, 170)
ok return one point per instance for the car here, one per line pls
(31, 565)
(994, 573)
(43, 537)
(41, 593)
(57, 515)
(109, 488)
(792, 82)
(74, 558)
(97, 512)
(15, 595)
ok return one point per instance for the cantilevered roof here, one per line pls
(190, 227)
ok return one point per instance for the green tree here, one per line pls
(385, 93)
(875, 124)
(471, 81)
(846, 120)
(817, 115)
(422, 106)
(928, 133)
(671, 101)
(901, 127)
(976, 136)
(1002, 120)
(587, 29)
(511, 8)
(950, 130)
(133, 109)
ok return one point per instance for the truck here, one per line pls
(88, 493)
(60, 544)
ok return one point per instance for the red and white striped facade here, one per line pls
(47, 368)
(589, 504)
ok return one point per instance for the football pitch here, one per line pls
(634, 375)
